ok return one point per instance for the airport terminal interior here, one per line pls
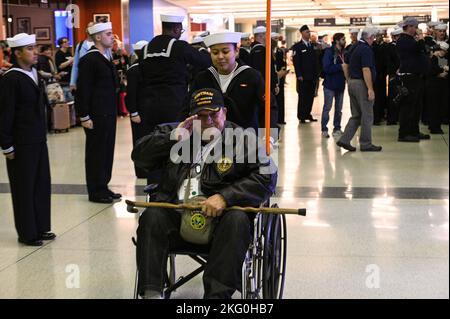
(377, 223)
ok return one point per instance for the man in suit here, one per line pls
(305, 63)
(96, 104)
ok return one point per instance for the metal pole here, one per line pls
(268, 66)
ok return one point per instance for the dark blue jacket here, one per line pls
(332, 70)
(305, 61)
(412, 54)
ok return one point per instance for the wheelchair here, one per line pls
(264, 266)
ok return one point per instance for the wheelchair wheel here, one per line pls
(252, 277)
(274, 256)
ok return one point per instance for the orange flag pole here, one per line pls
(268, 72)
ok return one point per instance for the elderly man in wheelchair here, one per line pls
(210, 176)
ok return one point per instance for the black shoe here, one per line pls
(389, 123)
(377, 123)
(36, 242)
(438, 131)
(409, 139)
(348, 147)
(101, 199)
(114, 195)
(282, 123)
(424, 136)
(47, 236)
(372, 148)
(311, 119)
(302, 121)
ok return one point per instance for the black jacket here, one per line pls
(412, 54)
(134, 90)
(242, 184)
(280, 59)
(165, 75)
(305, 61)
(435, 69)
(380, 51)
(393, 60)
(257, 60)
(244, 96)
(97, 85)
(22, 109)
(244, 56)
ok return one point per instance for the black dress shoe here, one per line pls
(36, 242)
(409, 139)
(389, 123)
(114, 195)
(311, 119)
(372, 148)
(101, 199)
(47, 236)
(424, 136)
(303, 121)
(348, 147)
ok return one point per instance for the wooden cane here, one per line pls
(132, 208)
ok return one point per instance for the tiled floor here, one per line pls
(377, 224)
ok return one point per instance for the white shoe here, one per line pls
(325, 135)
(337, 133)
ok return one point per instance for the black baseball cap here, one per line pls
(206, 99)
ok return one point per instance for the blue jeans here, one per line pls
(328, 102)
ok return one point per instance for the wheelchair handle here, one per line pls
(132, 208)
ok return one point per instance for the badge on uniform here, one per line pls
(198, 221)
(224, 164)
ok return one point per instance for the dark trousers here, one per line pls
(379, 105)
(99, 158)
(29, 178)
(305, 90)
(280, 101)
(158, 234)
(410, 106)
(436, 90)
(392, 108)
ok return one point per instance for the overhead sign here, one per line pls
(421, 19)
(327, 22)
(274, 23)
(359, 21)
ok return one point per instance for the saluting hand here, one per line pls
(88, 124)
(187, 124)
(214, 206)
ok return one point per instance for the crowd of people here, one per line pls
(409, 80)
(402, 81)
